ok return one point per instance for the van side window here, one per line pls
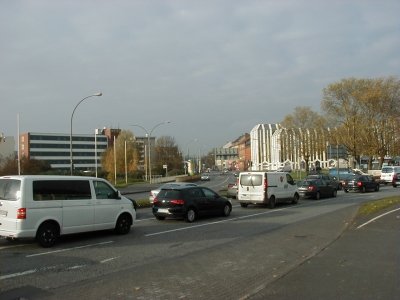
(61, 190)
(290, 179)
(104, 191)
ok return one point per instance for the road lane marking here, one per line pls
(18, 274)
(216, 222)
(108, 259)
(69, 249)
(377, 217)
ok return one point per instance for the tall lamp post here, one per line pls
(70, 136)
(148, 141)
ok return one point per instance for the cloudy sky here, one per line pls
(213, 68)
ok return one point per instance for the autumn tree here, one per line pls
(125, 146)
(365, 113)
(167, 153)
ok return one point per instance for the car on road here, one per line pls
(205, 177)
(396, 180)
(232, 190)
(361, 183)
(316, 189)
(327, 179)
(189, 203)
(153, 193)
(388, 173)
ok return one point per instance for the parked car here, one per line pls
(232, 190)
(189, 203)
(153, 193)
(316, 189)
(205, 177)
(327, 179)
(361, 183)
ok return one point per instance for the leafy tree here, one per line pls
(167, 153)
(109, 164)
(365, 113)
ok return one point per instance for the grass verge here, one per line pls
(378, 205)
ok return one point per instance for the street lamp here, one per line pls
(148, 141)
(70, 136)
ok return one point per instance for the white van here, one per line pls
(45, 207)
(269, 188)
(388, 173)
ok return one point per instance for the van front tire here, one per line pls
(47, 235)
(123, 225)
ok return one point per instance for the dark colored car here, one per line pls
(189, 203)
(396, 180)
(327, 179)
(316, 189)
(361, 183)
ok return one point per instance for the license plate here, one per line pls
(162, 210)
(3, 213)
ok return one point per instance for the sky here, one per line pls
(214, 69)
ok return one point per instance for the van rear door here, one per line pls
(10, 210)
(251, 187)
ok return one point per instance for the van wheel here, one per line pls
(190, 215)
(243, 205)
(271, 203)
(295, 199)
(123, 225)
(47, 235)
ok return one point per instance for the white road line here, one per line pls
(216, 222)
(69, 249)
(18, 274)
(108, 259)
(380, 216)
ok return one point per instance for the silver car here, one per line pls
(154, 193)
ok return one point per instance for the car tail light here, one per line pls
(265, 184)
(359, 183)
(311, 188)
(21, 213)
(155, 201)
(178, 202)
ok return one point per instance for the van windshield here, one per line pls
(9, 189)
(251, 180)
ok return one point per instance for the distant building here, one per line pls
(88, 149)
(54, 148)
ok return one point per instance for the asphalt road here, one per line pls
(363, 263)
(238, 257)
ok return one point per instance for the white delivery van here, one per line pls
(257, 187)
(45, 207)
(388, 173)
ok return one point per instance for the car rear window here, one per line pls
(169, 194)
(9, 189)
(387, 170)
(251, 180)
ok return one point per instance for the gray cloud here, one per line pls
(213, 68)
